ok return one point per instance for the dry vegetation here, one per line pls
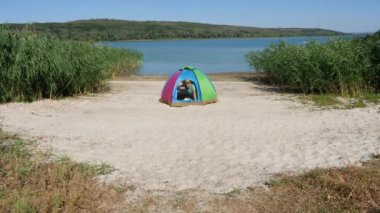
(350, 189)
(31, 181)
(329, 190)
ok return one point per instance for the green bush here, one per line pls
(34, 66)
(343, 66)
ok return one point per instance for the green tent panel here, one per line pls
(207, 88)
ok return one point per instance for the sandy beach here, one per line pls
(247, 137)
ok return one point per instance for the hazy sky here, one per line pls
(342, 15)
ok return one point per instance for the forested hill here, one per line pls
(108, 29)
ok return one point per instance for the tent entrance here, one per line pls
(187, 92)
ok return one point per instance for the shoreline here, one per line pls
(261, 37)
(224, 76)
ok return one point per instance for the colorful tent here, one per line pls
(205, 92)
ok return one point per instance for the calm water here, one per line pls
(209, 55)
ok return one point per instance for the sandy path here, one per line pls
(248, 136)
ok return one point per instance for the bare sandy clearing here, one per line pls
(248, 136)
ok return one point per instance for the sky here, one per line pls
(340, 15)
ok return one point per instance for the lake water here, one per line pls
(209, 55)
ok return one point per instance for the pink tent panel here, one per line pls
(167, 92)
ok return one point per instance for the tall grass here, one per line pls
(340, 66)
(373, 43)
(36, 66)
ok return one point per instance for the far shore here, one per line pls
(227, 76)
(260, 37)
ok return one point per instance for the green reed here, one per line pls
(39, 66)
(340, 66)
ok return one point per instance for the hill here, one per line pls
(108, 29)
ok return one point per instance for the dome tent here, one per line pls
(204, 89)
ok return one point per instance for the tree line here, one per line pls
(113, 30)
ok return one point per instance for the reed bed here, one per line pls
(40, 66)
(343, 66)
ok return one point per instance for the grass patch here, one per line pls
(233, 193)
(328, 101)
(373, 98)
(358, 103)
(30, 183)
(321, 100)
(324, 100)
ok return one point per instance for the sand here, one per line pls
(247, 137)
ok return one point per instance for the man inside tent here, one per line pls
(181, 91)
(186, 91)
(190, 90)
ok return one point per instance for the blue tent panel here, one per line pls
(187, 75)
